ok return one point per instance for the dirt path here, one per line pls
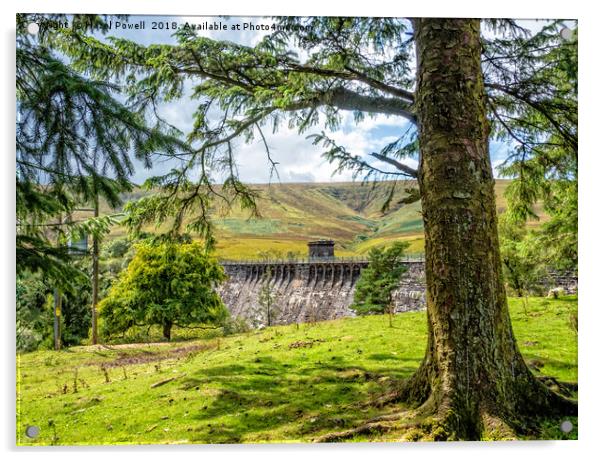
(124, 346)
(148, 353)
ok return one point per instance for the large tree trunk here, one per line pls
(473, 380)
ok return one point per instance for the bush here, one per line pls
(28, 339)
(35, 312)
(34, 322)
(116, 248)
(236, 325)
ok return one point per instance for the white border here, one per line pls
(590, 183)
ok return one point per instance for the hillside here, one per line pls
(282, 384)
(292, 214)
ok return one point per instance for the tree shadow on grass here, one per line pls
(269, 400)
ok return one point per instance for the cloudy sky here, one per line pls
(299, 160)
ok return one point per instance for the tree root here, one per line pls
(559, 386)
(391, 417)
(494, 421)
(493, 414)
(494, 428)
(443, 428)
(346, 434)
(437, 421)
(380, 424)
(434, 428)
(433, 416)
(387, 398)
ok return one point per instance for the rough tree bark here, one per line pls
(473, 379)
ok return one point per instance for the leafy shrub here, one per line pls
(236, 325)
(116, 248)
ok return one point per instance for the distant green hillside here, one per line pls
(293, 214)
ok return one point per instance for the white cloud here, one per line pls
(297, 159)
(301, 176)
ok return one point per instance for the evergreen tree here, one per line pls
(374, 290)
(75, 144)
(536, 109)
(522, 259)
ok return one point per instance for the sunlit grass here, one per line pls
(282, 384)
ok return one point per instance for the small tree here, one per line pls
(165, 284)
(267, 309)
(374, 289)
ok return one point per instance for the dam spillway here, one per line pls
(308, 290)
(322, 286)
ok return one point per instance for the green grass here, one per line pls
(416, 243)
(282, 384)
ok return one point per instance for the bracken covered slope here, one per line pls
(293, 214)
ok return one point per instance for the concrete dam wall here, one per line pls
(311, 290)
(321, 287)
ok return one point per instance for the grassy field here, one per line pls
(281, 384)
(293, 214)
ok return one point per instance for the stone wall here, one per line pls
(310, 291)
(566, 279)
